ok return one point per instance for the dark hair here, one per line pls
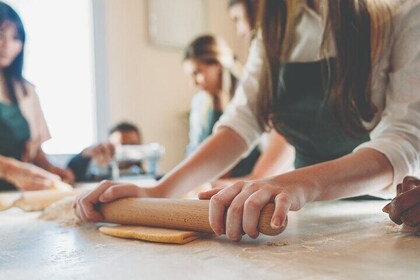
(13, 73)
(360, 29)
(124, 127)
(251, 7)
(211, 50)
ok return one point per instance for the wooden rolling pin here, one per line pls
(183, 214)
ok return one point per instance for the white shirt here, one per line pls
(395, 90)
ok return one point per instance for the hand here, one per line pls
(107, 191)
(242, 203)
(222, 183)
(102, 153)
(26, 176)
(405, 207)
(65, 174)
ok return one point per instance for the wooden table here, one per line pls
(333, 240)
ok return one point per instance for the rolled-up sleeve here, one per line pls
(240, 114)
(397, 135)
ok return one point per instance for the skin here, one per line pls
(405, 207)
(26, 176)
(103, 153)
(238, 14)
(361, 172)
(203, 76)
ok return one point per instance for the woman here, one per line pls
(244, 15)
(214, 71)
(277, 155)
(23, 164)
(340, 81)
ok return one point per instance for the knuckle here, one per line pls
(235, 210)
(252, 204)
(217, 200)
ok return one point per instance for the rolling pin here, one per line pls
(183, 214)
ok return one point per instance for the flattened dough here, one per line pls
(160, 235)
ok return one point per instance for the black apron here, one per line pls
(14, 133)
(304, 118)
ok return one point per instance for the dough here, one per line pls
(62, 212)
(160, 235)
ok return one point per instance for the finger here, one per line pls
(387, 208)
(283, 203)
(234, 214)
(208, 194)
(403, 202)
(80, 213)
(218, 204)
(87, 202)
(411, 217)
(252, 211)
(399, 189)
(409, 183)
(119, 191)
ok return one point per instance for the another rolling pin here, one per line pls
(183, 214)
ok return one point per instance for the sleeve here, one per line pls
(43, 133)
(240, 114)
(397, 135)
(79, 165)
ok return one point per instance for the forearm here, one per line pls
(362, 172)
(277, 158)
(216, 155)
(41, 160)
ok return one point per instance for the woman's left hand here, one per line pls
(242, 202)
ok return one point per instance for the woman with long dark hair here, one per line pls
(23, 129)
(340, 80)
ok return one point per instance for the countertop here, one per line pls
(325, 240)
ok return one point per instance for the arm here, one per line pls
(391, 154)
(361, 172)
(216, 155)
(41, 160)
(25, 176)
(79, 165)
(276, 158)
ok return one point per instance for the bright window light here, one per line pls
(59, 62)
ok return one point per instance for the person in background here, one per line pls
(23, 163)
(214, 71)
(277, 155)
(244, 15)
(102, 154)
(405, 207)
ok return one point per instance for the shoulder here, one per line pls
(406, 35)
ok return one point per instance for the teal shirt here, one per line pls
(14, 133)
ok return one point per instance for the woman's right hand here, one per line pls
(106, 191)
(29, 177)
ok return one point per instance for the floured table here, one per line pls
(332, 240)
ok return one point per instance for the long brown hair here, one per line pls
(358, 28)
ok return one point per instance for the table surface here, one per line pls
(328, 240)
